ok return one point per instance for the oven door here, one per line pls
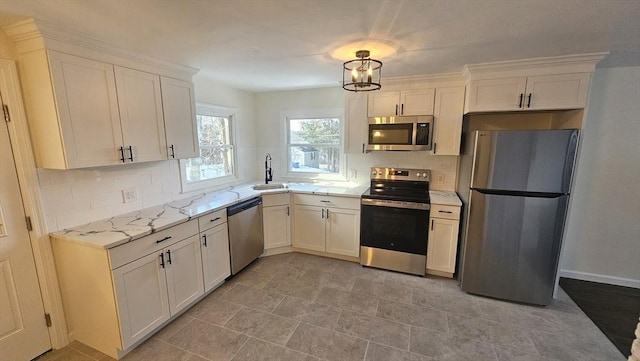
(394, 226)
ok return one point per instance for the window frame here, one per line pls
(285, 116)
(217, 111)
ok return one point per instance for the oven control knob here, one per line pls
(424, 175)
(374, 173)
(418, 174)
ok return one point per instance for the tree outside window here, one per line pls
(315, 145)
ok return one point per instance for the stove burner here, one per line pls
(408, 185)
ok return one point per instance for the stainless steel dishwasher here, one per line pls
(246, 238)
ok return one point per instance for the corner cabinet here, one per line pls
(327, 224)
(442, 247)
(406, 102)
(89, 106)
(276, 219)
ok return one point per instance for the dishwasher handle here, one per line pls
(242, 206)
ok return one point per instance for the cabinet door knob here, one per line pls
(169, 256)
(162, 259)
(131, 153)
(327, 214)
(122, 154)
(322, 213)
(287, 211)
(204, 236)
(173, 152)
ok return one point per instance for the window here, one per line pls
(314, 144)
(216, 163)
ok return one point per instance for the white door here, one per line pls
(184, 273)
(215, 256)
(140, 104)
(85, 92)
(443, 245)
(141, 295)
(178, 101)
(564, 91)
(496, 94)
(343, 231)
(383, 104)
(276, 226)
(416, 102)
(448, 120)
(23, 331)
(308, 228)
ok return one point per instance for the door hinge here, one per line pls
(5, 110)
(29, 224)
(47, 319)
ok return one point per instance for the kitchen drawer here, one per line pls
(211, 220)
(278, 199)
(327, 201)
(442, 211)
(133, 250)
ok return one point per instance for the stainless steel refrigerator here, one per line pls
(518, 193)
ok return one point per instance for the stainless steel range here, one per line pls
(395, 220)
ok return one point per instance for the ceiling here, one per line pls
(264, 45)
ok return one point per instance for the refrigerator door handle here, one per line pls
(569, 161)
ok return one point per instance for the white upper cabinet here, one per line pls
(179, 107)
(396, 103)
(448, 120)
(356, 124)
(84, 91)
(140, 104)
(91, 106)
(546, 92)
(553, 83)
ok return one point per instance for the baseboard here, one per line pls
(593, 277)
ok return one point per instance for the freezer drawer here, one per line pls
(512, 245)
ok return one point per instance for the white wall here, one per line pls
(603, 230)
(271, 138)
(73, 197)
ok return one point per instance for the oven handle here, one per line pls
(395, 204)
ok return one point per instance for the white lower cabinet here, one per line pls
(442, 248)
(327, 224)
(157, 286)
(215, 256)
(276, 220)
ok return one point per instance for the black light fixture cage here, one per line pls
(362, 74)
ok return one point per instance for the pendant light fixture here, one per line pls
(361, 74)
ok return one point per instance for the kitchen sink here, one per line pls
(261, 187)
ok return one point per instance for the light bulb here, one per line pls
(354, 75)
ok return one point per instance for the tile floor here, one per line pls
(301, 307)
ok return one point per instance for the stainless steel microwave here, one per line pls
(400, 133)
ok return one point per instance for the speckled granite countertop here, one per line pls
(114, 231)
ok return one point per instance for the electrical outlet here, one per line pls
(440, 178)
(130, 195)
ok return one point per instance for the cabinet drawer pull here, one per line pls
(325, 201)
(288, 211)
(204, 236)
(521, 99)
(396, 109)
(215, 219)
(131, 153)
(529, 101)
(402, 109)
(448, 212)
(169, 256)
(327, 214)
(173, 151)
(122, 154)
(323, 213)
(432, 224)
(164, 239)
(162, 259)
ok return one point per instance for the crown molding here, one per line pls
(32, 34)
(575, 63)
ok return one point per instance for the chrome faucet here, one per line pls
(268, 176)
